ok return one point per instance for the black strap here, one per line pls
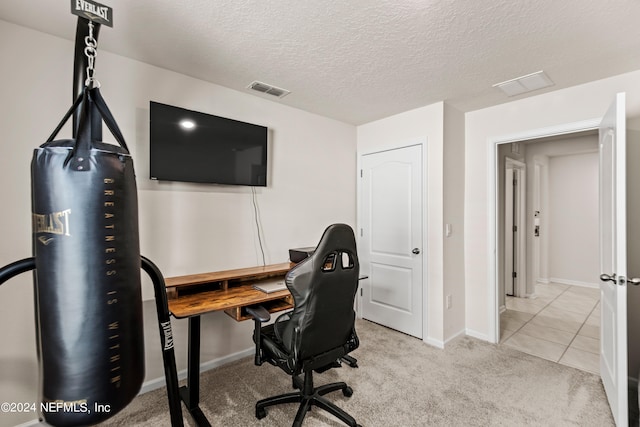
(79, 155)
(107, 117)
(64, 120)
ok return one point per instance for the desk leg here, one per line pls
(190, 393)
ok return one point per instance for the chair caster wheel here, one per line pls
(261, 413)
(347, 392)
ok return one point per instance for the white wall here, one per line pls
(425, 123)
(574, 250)
(584, 102)
(184, 228)
(453, 206)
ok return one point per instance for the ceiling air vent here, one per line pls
(524, 84)
(268, 89)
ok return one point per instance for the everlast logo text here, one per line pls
(85, 6)
(53, 223)
(93, 10)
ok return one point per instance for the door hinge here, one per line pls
(361, 233)
(514, 275)
(360, 173)
(515, 228)
(360, 291)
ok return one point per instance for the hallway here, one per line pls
(562, 325)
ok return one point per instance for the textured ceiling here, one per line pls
(361, 60)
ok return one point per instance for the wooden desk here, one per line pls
(230, 291)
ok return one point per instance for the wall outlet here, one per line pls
(448, 301)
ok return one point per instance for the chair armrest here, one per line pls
(260, 315)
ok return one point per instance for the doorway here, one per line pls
(612, 246)
(556, 315)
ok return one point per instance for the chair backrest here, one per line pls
(323, 287)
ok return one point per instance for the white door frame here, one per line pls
(425, 218)
(539, 257)
(492, 206)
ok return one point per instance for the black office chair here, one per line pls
(319, 330)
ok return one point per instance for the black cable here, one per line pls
(255, 216)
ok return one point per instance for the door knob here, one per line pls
(607, 278)
(634, 281)
(415, 251)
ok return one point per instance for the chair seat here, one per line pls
(277, 355)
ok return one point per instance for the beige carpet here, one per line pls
(403, 382)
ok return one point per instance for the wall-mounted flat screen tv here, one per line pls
(190, 146)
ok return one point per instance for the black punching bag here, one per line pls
(87, 279)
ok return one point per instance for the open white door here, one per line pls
(613, 259)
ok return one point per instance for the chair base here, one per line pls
(309, 396)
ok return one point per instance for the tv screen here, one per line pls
(196, 147)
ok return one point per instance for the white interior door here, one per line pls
(390, 247)
(509, 247)
(514, 228)
(613, 259)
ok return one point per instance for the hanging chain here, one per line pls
(91, 52)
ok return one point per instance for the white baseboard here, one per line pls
(160, 382)
(435, 343)
(574, 283)
(478, 335)
(541, 280)
(454, 336)
(441, 344)
(33, 423)
(502, 309)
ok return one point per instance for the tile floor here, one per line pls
(562, 325)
